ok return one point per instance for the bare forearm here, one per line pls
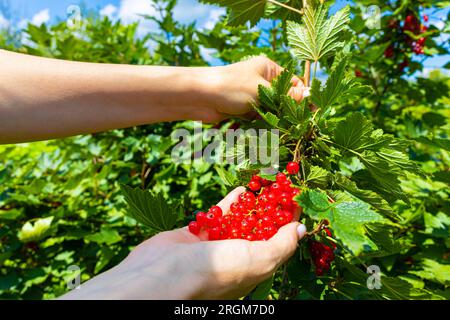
(46, 98)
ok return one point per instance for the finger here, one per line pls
(297, 82)
(233, 196)
(298, 93)
(284, 243)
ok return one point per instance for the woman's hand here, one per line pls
(178, 265)
(44, 98)
(235, 86)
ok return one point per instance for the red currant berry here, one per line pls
(292, 167)
(254, 185)
(250, 237)
(281, 177)
(216, 211)
(194, 228)
(201, 218)
(214, 234)
(265, 182)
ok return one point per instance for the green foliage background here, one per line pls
(60, 201)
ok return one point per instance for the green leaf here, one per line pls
(435, 142)
(346, 218)
(266, 97)
(104, 257)
(35, 231)
(268, 117)
(437, 225)
(262, 290)
(226, 177)
(381, 154)
(434, 271)
(318, 36)
(106, 235)
(242, 10)
(356, 133)
(296, 113)
(443, 176)
(382, 236)
(150, 209)
(317, 176)
(365, 195)
(391, 288)
(340, 87)
(282, 83)
(12, 214)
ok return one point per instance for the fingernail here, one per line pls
(301, 231)
(306, 92)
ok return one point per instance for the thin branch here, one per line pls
(285, 6)
(307, 75)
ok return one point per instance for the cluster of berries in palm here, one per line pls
(322, 255)
(258, 213)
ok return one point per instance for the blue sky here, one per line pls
(21, 12)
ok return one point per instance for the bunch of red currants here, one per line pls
(258, 213)
(413, 25)
(322, 255)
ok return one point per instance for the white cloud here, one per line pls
(4, 23)
(187, 11)
(130, 10)
(109, 10)
(23, 23)
(41, 17)
(213, 18)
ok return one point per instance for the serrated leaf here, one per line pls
(356, 133)
(317, 36)
(268, 117)
(317, 176)
(226, 177)
(242, 10)
(266, 97)
(150, 209)
(434, 271)
(339, 87)
(437, 225)
(282, 83)
(365, 195)
(295, 113)
(379, 153)
(382, 236)
(346, 218)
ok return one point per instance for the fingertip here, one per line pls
(301, 231)
(306, 92)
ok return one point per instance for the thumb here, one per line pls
(284, 243)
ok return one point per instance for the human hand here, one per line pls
(179, 265)
(236, 85)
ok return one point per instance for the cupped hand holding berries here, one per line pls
(179, 265)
